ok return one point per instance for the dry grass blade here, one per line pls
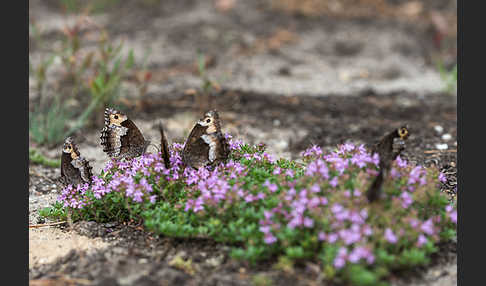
(46, 224)
(64, 281)
(440, 151)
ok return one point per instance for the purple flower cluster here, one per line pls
(451, 213)
(74, 197)
(327, 199)
(235, 145)
(354, 256)
(123, 180)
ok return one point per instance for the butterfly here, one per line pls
(388, 154)
(120, 137)
(74, 168)
(206, 145)
(164, 147)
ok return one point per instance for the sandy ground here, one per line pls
(48, 243)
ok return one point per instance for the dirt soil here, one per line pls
(288, 80)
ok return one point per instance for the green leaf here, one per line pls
(130, 62)
(360, 276)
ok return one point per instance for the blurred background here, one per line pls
(289, 73)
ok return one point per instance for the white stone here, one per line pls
(447, 137)
(441, 146)
(439, 129)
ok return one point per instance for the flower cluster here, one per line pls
(74, 197)
(318, 207)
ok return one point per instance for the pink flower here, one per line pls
(269, 239)
(390, 236)
(453, 216)
(152, 198)
(406, 200)
(331, 238)
(308, 222)
(321, 236)
(428, 227)
(334, 182)
(289, 173)
(271, 187)
(339, 262)
(442, 177)
(421, 240)
(265, 229)
(401, 163)
(315, 188)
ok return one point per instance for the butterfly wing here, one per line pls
(69, 174)
(75, 171)
(164, 147)
(196, 151)
(84, 169)
(133, 144)
(111, 140)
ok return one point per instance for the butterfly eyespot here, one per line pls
(208, 120)
(116, 116)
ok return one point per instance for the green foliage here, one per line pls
(56, 211)
(91, 79)
(37, 158)
(95, 6)
(261, 280)
(449, 77)
(360, 276)
(99, 6)
(47, 125)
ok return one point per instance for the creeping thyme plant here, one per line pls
(280, 209)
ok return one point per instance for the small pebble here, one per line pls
(447, 137)
(110, 224)
(215, 261)
(441, 146)
(439, 129)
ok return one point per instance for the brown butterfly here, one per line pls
(164, 147)
(74, 168)
(206, 145)
(120, 137)
(388, 154)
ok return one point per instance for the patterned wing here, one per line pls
(222, 146)
(69, 173)
(75, 171)
(85, 170)
(111, 139)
